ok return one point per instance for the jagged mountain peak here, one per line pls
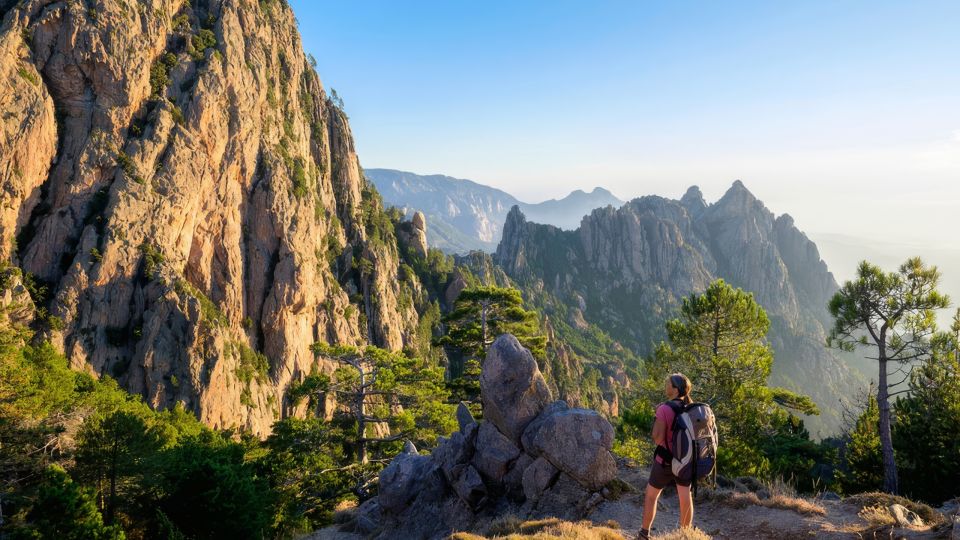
(737, 194)
(633, 264)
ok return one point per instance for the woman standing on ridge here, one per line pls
(677, 388)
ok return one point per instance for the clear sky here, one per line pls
(844, 114)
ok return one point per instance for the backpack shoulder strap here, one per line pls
(677, 408)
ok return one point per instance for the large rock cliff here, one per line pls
(626, 269)
(188, 200)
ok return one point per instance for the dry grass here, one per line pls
(796, 504)
(513, 528)
(684, 534)
(876, 516)
(778, 500)
(884, 500)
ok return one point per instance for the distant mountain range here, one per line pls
(463, 215)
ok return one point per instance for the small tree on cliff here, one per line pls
(893, 315)
(382, 398)
(401, 396)
(479, 315)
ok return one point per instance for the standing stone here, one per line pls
(464, 417)
(513, 390)
(419, 240)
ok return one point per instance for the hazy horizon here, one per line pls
(846, 116)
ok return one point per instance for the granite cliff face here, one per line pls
(177, 180)
(626, 269)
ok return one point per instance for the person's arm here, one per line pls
(659, 432)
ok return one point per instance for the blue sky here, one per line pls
(845, 114)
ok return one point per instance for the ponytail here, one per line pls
(683, 386)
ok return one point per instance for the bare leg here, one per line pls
(650, 506)
(686, 506)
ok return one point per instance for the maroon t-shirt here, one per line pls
(665, 414)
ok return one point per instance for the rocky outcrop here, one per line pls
(512, 389)
(625, 271)
(176, 177)
(483, 470)
(414, 234)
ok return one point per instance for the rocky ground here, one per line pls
(719, 519)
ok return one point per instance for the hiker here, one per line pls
(677, 388)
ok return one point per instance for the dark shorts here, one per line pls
(662, 476)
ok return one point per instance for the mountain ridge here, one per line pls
(629, 267)
(466, 215)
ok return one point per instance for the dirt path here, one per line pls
(723, 522)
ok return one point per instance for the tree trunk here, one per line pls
(367, 307)
(483, 326)
(111, 506)
(890, 481)
(361, 421)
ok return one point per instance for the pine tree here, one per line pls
(891, 314)
(719, 342)
(925, 434)
(481, 314)
(68, 511)
(862, 451)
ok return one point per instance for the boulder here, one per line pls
(905, 517)
(538, 477)
(513, 389)
(565, 499)
(579, 443)
(528, 435)
(469, 486)
(494, 453)
(452, 452)
(365, 519)
(513, 480)
(403, 479)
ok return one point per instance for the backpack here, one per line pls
(694, 441)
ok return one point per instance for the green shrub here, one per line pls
(29, 76)
(126, 163)
(160, 74)
(201, 41)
